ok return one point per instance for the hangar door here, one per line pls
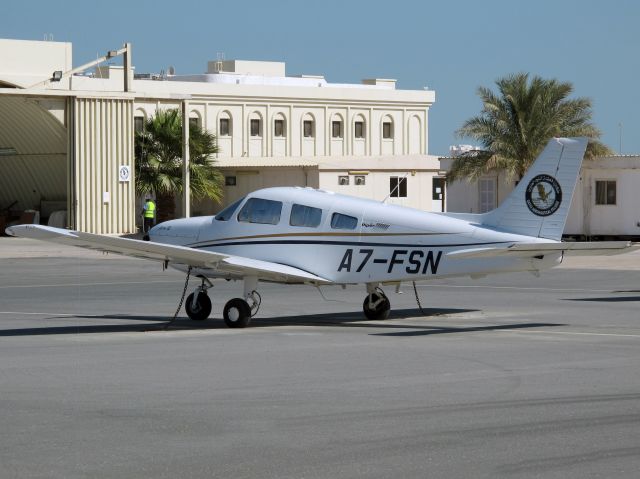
(33, 160)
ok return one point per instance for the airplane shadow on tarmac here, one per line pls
(608, 299)
(347, 319)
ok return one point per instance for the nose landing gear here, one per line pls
(198, 305)
(376, 305)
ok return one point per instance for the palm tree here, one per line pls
(158, 149)
(516, 123)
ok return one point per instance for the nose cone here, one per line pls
(181, 231)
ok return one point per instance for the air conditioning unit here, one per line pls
(360, 180)
(343, 180)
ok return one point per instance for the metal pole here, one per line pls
(128, 75)
(186, 193)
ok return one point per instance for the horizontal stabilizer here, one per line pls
(600, 248)
(234, 266)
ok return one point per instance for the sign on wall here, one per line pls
(124, 172)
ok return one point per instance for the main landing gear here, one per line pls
(376, 305)
(237, 312)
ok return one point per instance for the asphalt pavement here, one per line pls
(507, 376)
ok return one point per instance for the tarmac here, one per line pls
(507, 376)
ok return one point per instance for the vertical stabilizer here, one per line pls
(539, 205)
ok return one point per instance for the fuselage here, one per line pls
(345, 239)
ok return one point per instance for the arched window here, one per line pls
(225, 126)
(195, 119)
(387, 128)
(139, 119)
(308, 126)
(359, 127)
(279, 126)
(337, 127)
(255, 124)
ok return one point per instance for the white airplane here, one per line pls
(299, 235)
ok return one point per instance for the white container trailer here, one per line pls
(606, 202)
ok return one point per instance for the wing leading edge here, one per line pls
(223, 263)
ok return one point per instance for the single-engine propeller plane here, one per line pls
(299, 235)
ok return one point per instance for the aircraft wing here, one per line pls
(599, 248)
(219, 262)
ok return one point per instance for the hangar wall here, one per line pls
(101, 143)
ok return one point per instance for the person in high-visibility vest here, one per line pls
(148, 214)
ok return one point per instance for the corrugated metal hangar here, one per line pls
(61, 149)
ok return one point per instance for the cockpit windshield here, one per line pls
(228, 212)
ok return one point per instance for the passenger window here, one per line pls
(227, 213)
(305, 216)
(257, 210)
(343, 222)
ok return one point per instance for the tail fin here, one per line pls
(539, 205)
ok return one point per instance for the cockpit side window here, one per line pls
(302, 215)
(258, 210)
(227, 213)
(343, 222)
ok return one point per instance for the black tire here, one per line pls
(202, 309)
(237, 313)
(380, 312)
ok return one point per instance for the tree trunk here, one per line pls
(166, 207)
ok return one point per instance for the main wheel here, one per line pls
(237, 313)
(202, 309)
(381, 311)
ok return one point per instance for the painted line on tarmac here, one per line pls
(519, 288)
(42, 314)
(570, 333)
(60, 285)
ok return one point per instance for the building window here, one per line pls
(194, 122)
(343, 180)
(487, 189)
(398, 187)
(278, 128)
(359, 129)
(605, 192)
(255, 127)
(230, 180)
(336, 129)
(138, 124)
(225, 127)
(387, 130)
(307, 128)
(359, 180)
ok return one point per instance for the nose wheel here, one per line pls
(198, 304)
(376, 305)
(198, 308)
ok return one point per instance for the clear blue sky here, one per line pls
(451, 46)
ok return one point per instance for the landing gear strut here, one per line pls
(376, 305)
(238, 311)
(198, 304)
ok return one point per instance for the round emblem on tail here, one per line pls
(543, 195)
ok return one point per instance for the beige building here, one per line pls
(66, 138)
